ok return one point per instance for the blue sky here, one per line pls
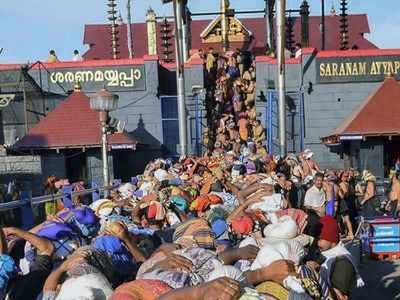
(29, 28)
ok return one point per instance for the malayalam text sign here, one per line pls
(114, 78)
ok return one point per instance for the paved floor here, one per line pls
(382, 280)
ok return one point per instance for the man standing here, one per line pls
(310, 166)
(315, 198)
(77, 56)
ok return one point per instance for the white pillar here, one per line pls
(180, 77)
(280, 18)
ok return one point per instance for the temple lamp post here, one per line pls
(104, 102)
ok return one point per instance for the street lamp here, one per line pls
(104, 102)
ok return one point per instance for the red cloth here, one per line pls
(242, 225)
(203, 202)
(214, 199)
(152, 211)
(329, 230)
(144, 289)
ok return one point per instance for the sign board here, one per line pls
(351, 138)
(357, 69)
(114, 78)
(123, 147)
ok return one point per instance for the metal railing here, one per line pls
(48, 198)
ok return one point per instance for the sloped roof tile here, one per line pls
(72, 124)
(98, 37)
(378, 115)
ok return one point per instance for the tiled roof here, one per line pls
(377, 115)
(72, 124)
(98, 36)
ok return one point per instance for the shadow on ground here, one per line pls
(382, 280)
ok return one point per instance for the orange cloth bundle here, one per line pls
(243, 225)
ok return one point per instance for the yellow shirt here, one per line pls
(52, 58)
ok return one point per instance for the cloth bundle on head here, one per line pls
(244, 264)
(206, 188)
(284, 229)
(138, 193)
(126, 190)
(172, 218)
(251, 294)
(152, 196)
(214, 199)
(145, 188)
(156, 211)
(179, 202)
(161, 175)
(368, 176)
(242, 225)
(200, 204)
(204, 263)
(308, 153)
(122, 259)
(82, 219)
(227, 271)
(299, 216)
(292, 158)
(270, 252)
(103, 207)
(237, 169)
(251, 168)
(142, 289)
(56, 231)
(281, 251)
(219, 227)
(8, 270)
(86, 287)
(176, 191)
(66, 247)
(273, 290)
(229, 201)
(217, 212)
(194, 232)
(308, 179)
(163, 195)
(271, 203)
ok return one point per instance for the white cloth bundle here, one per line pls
(284, 250)
(251, 294)
(126, 190)
(104, 207)
(268, 180)
(227, 271)
(86, 287)
(172, 218)
(243, 264)
(269, 204)
(146, 187)
(284, 228)
(161, 174)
